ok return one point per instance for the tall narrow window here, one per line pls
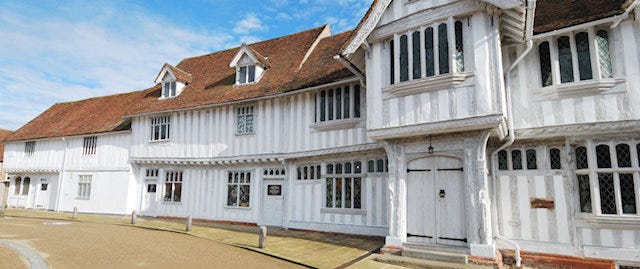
(242, 75)
(584, 192)
(404, 58)
(532, 162)
(607, 193)
(623, 155)
(356, 101)
(565, 59)
(604, 56)
(29, 148)
(581, 158)
(160, 128)
(459, 57)
(84, 187)
(516, 159)
(502, 160)
(627, 194)
(417, 65)
(173, 186)
(429, 51)
(443, 49)
(252, 73)
(347, 101)
(555, 160)
(338, 103)
(603, 156)
(244, 120)
(26, 183)
(545, 63)
(323, 105)
(89, 145)
(392, 71)
(584, 56)
(239, 189)
(17, 186)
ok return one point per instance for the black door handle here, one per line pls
(442, 193)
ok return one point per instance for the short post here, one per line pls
(133, 217)
(262, 236)
(75, 212)
(189, 223)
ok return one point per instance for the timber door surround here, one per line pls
(435, 201)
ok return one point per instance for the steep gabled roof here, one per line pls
(3, 135)
(180, 75)
(89, 116)
(213, 79)
(556, 14)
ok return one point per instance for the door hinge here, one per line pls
(453, 239)
(423, 236)
(418, 170)
(451, 169)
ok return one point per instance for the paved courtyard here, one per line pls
(99, 241)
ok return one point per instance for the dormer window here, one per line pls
(247, 74)
(169, 89)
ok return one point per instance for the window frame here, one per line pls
(344, 177)
(339, 106)
(244, 112)
(160, 121)
(247, 74)
(84, 187)
(175, 179)
(29, 148)
(169, 89)
(89, 145)
(238, 178)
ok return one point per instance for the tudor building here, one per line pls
(458, 126)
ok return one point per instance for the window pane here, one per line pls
(232, 195)
(532, 162)
(299, 173)
(379, 165)
(459, 47)
(545, 63)
(329, 168)
(323, 105)
(603, 156)
(240, 128)
(371, 167)
(338, 193)
(564, 57)
(252, 73)
(584, 57)
(312, 172)
(392, 73)
(417, 65)
(244, 195)
(584, 190)
(338, 168)
(243, 75)
(347, 168)
(627, 194)
(516, 159)
(338, 103)
(249, 124)
(329, 198)
(16, 187)
(357, 167)
(347, 193)
(502, 160)
(581, 158)
(623, 154)
(356, 101)
(26, 183)
(443, 49)
(167, 191)
(554, 159)
(346, 101)
(177, 192)
(404, 58)
(429, 53)
(173, 89)
(357, 189)
(607, 194)
(604, 57)
(330, 103)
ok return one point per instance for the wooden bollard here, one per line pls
(75, 212)
(262, 236)
(189, 223)
(133, 217)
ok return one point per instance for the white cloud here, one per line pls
(250, 23)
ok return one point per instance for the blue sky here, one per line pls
(58, 51)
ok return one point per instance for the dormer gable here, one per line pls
(250, 65)
(172, 80)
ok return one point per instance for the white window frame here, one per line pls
(173, 186)
(89, 145)
(246, 74)
(160, 122)
(84, 187)
(29, 148)
(238, 179)
(169, 89)
(324, 116)
(594, 185)
(343, 177)
(245, 113)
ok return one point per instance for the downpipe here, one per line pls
(518, 258)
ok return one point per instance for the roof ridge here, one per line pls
(103, 96)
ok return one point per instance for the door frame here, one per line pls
(263, 197)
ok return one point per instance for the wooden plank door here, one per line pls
(421, 224)
(451, 224)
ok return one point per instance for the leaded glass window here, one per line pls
(239, 188)
(516, 159)
(417, 65)
(584, 56)
(627, 194)
(623, 155)
(545, 63)
(565, 59)
(356, 101)
(502, 160)
(604, 56)
(582, 161)
(584, 191)
(459, 56)
(429, 51)
(607, 193)
(392, 64)
(244, 120)
(17, 186)
(347, 102)
(532, 162)
(323, 105)
(338, 103)
(555, 160)
(344, 185)
(404, 58)
(330, 103)
(443, 49)
(603, 156)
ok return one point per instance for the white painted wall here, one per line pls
(109, 192)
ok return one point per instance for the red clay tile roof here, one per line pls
(556, 14)
(213, 79)
(180, 74)
(3, 135)
(89, 116)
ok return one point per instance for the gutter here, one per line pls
(531, 9)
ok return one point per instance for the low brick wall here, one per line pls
(544, 260)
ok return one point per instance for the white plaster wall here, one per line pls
(109, 192)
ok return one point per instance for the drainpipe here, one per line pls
(531, 4)
(61, 180)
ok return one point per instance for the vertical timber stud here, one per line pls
(262, 236)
